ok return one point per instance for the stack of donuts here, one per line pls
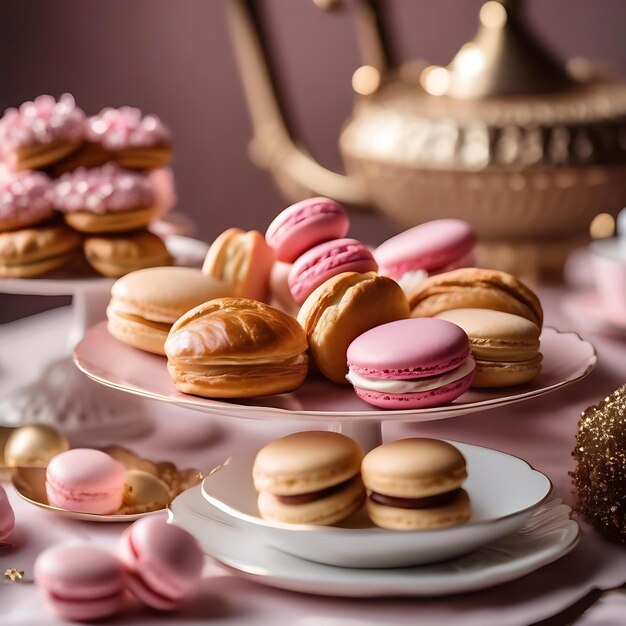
(71, 184)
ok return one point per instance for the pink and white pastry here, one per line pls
(411, 364)
(163, 563)
(304, 225)
(127, 127)
(85, 481)
(103, 189)
(326, 260)
(25, 199)
(41, 132)
(7, 517)
(81, 582)
(434, 247)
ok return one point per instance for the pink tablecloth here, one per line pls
(541, 430)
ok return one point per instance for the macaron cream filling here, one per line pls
(304, 498)
(427, 502)
(411, 385)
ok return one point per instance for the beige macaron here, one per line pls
(118, 255)
(343, 308)
(309, 478)
(33, 252)
(415, 484)
(473, 288)
(115, 222)
(505, 346)
(144, 304)
(243, 260)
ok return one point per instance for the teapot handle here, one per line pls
(273, 146)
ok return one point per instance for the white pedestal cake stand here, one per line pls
(62, 397)
(567, 358)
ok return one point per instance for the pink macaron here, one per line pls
(163, 563)
(437, 246)
(81, 582)
(411, 364)
(304, 225)
(328, 259)
(85, 481)
(7, 517)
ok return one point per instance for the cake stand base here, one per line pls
(367, 434)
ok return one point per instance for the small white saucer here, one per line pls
(504, 491)
(547, 536)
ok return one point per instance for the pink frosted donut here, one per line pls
(44, 121)
(105, 189)
(127, 127)
(25, 199)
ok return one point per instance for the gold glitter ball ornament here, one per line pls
(600, 475)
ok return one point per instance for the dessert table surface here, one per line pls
(541, 430)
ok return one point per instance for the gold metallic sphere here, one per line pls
(33, 446)
(602, 225)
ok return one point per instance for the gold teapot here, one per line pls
(526, 150)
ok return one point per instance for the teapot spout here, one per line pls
(273, 147)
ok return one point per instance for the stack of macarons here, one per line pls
(321, 478)
(159, 563)
(311, 235)
(101, 182)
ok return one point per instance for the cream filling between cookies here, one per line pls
(412, 385)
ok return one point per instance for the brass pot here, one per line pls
(506, 138)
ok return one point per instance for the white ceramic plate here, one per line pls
(547, 536)
(566, 359)
(80, 276)
(504, 491)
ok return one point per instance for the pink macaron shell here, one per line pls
(163, 562)
(305, 225)
(430, 246)
(82, 582)
(420, 400)
(406, 349)
(7, 517)
(85, 481)
(325, 261)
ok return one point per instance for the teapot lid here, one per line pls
(504, 58)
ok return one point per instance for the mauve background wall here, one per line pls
(174, 58)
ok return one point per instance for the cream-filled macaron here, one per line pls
(505, 346)
(118, 255)
(415, 484)
(144, 304)
(309, 478)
